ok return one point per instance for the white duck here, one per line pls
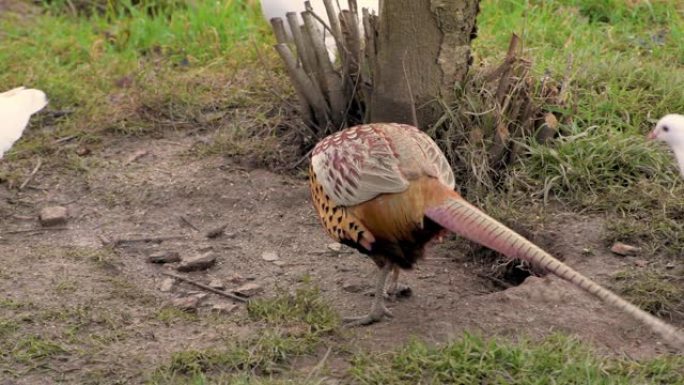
(670, 129)
(279, 8)
(16, 107)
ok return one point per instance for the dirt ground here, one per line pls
(110, 302)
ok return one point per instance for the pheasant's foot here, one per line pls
(399, 290)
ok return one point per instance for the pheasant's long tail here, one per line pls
(464, 219)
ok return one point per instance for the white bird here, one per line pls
(670, 129)
(279, 8)
(16, 107)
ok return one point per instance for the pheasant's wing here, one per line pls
(362, 162)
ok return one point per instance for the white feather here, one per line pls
(16, 107)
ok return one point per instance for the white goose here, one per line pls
(670, 129)
(16, 107)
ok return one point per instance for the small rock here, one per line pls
(217, 284)
(237, 278)
(353, 286)
(248, 289)
(82, 151)
(337, 247)
(199, 262)
(167, 285)
(620, 248)
(53, 215)
(270, 256)
(189, 303)
(280, 263)
(164, 257)
(224, 308)
(670, 266)
(641, 263)
(213, 233)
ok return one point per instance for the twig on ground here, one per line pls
(205, 287)
(187, 222)
(32, 174)
(213, 233)
(496, 281)
(35, 230)
(318, 366)
(119, 241)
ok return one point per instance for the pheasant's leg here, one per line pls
(396, 289)
(378, 309)
(393, 283)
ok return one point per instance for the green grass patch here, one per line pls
(31, 349)
(293, 325)
(652, 290)
(305, 306)
(472, 360)
(129, 68)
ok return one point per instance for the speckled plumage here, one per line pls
(359, 180)
(387, 190)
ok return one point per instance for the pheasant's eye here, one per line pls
(666, 129)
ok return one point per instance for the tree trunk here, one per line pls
(422, 52)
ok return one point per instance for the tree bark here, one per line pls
(422, 52)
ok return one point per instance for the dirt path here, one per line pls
(110, 307)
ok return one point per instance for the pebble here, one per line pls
(249, 289)
(164, 257)
(620, 248)
(53, 215)
(199, 262)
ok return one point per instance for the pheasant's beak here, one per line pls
(651, 135)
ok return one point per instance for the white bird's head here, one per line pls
(670, 129)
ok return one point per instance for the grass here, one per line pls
(293, 325)
(149, 67)
(555, 360)
(652, 290)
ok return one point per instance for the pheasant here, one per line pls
(670, 129)
(387, 190)
(16, 107)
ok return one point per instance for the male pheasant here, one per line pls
(16, 107)
(387, 190)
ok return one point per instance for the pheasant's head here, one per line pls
(669, 129)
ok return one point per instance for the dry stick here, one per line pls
(65, 139)
(329, 80)
(414, 116)
(205, 287)
(36, 230)
(306, 60)
(334, 27)
(369, 50)
(32, 174)
(279, 30)
(497, 281)
(352, 40)
(120, 241)
(303, 106)
(187, 222)
(303, 85)
(510, 58)
(318, 366)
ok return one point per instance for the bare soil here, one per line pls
(109, 304)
